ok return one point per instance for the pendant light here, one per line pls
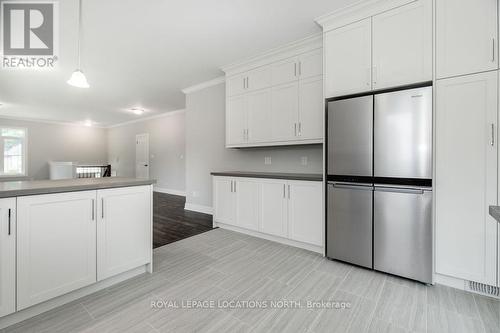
(78, 79)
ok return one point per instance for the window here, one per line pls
(13, 148)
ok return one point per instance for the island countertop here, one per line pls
(34, 187)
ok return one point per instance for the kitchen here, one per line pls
(356, 164)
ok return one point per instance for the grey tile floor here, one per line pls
(220, 265)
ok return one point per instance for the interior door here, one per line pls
(259, 116)
(350, 137)
(273, 208)
(236, 121)
(348, 55)
(466, 177)
(466, 48)
(247, 203)
(311, 108)
(285, 110)
(402, 45)
(349, 223)
(56, 245)
(142, 156)
(402, 232)
(123, 229)
(7, 256)
(403, 134)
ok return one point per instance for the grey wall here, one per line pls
(54, 142)
(166, 148)
(206, 152)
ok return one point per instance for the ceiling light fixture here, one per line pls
(78, 79)
(137, 111)
(88, 123)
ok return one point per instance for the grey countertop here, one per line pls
(22, 188)
(271, 175)
(495, 212)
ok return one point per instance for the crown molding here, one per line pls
(140, 120)
(356, 12)
(276, 54)
(204, 85)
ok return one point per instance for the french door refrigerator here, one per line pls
(379, 166)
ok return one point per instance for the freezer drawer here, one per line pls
(349, 223)
(403, 134)
(402, 226)
(350, 137)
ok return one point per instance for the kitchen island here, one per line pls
(63, 239)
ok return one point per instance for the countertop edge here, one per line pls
(73, 188)
(286, 176)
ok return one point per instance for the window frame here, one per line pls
(24, 155)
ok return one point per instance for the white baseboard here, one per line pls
(169, 191)
(37, 309)
(199, 208)
(305, 246)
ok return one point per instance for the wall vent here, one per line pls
(484, 289)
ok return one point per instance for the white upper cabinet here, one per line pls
(56, 245)
(466, 177)
(348, 59)
(123, 229)
(311, 109)
(7, 256)
(466, 37)
(274, 100)
(402, 45)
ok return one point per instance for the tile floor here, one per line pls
(221, 265)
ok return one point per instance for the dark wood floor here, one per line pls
(172, 223)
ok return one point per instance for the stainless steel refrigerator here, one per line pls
(379, 197)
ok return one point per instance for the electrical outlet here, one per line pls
(267, 160)
(303, 160)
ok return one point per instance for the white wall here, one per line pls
(166, 148)
(54, 142)
(206, 152)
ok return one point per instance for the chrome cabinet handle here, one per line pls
(300, 68)
(492, 142)
(300, 128)
(295, 69)
(288, 191)
(102, 207)
(244, 83)
(235, 187)
(295, 129)
(284, 191)
(231, 186)
(10, 221)
(493, 50)
(248, 84)
(93, 209)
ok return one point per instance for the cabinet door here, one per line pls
(7, 256)
(311, 108)
(236, 122)
(466, 179)
(247, 203)
(466, 37)
(224, 200)
(56, 245)
(348, 59)
(402, 45)
(311, 64)
(305, 212)
(123, 230)
(259, 116)
(285, 71)
(259, 78)
(273, 208)
(285, 109)
(236, 84)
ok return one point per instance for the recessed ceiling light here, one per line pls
(88, 123)
(137, 111)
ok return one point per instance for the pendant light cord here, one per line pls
(79, 33)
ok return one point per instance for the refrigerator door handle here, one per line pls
(400, 190)
(352, 186)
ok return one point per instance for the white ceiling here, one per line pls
(142, 53)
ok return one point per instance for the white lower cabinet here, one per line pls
(282, 208)
(123, 229)
(7, 256)
(305, 212)
(466, 177)
(56, 245)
